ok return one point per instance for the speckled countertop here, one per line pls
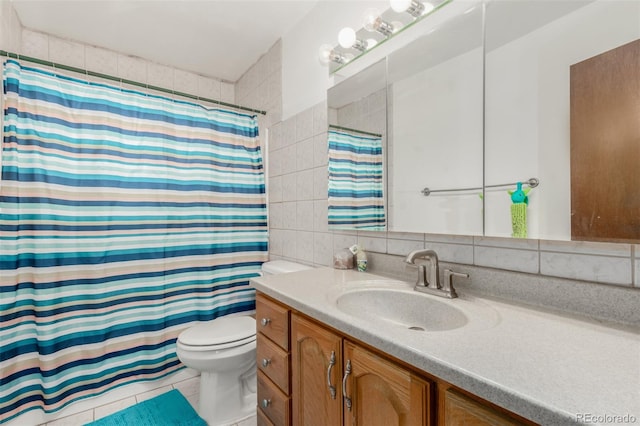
(546, 367)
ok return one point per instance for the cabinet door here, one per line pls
(381, 393)
(462, 410)
(315, 367)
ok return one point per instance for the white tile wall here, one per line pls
(209, 87)
(132, 68)
(35, 44)
(101, 60)
(48, 47)
(66, 52)
(185, 81)
(160, 75)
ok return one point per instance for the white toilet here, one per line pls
(224, 351)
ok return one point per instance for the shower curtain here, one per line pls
(124, 218)
(356, 198)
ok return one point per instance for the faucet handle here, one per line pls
(448, 281)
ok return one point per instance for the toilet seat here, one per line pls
(221, 333)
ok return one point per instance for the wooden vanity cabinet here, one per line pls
(460, 408)
(273, 362)
(378, 392)
(382, 393)
(316, 372)
(301, 380)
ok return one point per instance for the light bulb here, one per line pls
(347, 37)
(396, 25)
(412, 7)
(324, 54)
(428, 7)
(373, 22)
(371, 16)
(400, 5)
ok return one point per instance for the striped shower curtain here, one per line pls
(124, 218)
(356, 198)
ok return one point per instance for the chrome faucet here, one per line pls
(429, 274)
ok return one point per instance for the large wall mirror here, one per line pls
(562, 105)
(515, 119)
(357, 145)
(435, 100)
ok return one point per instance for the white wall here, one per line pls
(527, 111)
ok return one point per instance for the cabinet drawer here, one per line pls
(273, 321)
(274, 362)
(273, 403)
(263, 420)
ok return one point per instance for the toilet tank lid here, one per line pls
(282, 267)
(219, 331)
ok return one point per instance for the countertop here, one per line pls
(550, 368)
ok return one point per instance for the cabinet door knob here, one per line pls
(347, 372)
(266, 403)
(266, 362)
(265, 321)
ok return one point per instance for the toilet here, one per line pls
(224, 351)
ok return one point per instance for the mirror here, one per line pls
(560, 107)
(542, 93)
(357, 142)
(435, 101)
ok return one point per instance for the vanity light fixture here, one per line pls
(347, 39)
(373, 22)
(412, 7)
(327, 54)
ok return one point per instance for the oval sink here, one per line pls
(405, 308)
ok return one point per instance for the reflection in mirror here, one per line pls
(563, 106)
(435, 91)
(356, 140)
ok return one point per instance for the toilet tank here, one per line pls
(276, 267)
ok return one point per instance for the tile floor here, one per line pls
(189, 388)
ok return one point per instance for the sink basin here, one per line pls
(408, 309)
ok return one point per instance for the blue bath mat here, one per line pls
(168, 409)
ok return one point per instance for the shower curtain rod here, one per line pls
(124, 80)
(331, 126)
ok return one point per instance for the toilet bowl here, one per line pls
(224, 351)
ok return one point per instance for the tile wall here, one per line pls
(47, 47)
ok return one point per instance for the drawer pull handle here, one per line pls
(347, 372)
(332, 362)
(266, 362)
(265, 321)
(266, 403)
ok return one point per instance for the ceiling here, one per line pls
(217, 38)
